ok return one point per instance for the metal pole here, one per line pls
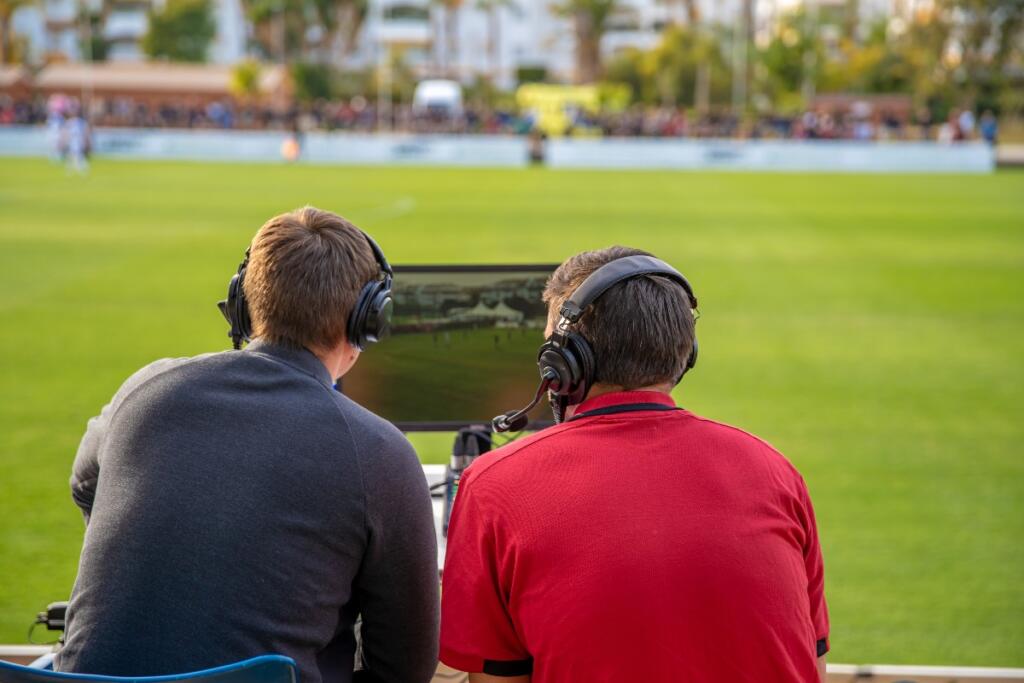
(739, 65)
(280, 32)
(810, 56)
(383, 71)
(87, 82)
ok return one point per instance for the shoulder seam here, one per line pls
(517, 448)
(355, 449)
(775, 475)
(744, 432)
(185, 361)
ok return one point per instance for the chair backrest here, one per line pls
(262, 669)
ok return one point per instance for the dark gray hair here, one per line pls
(641, 330)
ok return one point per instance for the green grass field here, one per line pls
(871, 327)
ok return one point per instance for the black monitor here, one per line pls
(463, 347)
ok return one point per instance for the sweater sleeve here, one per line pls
(397, 587)
(85, 471)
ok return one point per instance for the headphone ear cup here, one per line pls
(242, 310)
(236, 309)
(579, 349)
(573, 362)
(370, 320)
(377, 325)
(553, 357)
(691, 360)
(355, 330)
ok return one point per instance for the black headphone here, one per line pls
(566, 361)
(369, 321)
(566, 356)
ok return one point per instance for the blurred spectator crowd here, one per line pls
(360, 115)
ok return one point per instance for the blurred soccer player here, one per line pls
(635, 541)
(236, 504)
(78, 143)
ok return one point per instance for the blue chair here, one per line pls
(262, 669)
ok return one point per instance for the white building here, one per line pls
(497, 37)
(491, 37)
(57, 29)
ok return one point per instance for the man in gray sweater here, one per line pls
(236, 504)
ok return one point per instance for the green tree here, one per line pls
(312, 81)
(670, 74)
(350, 15)
(986, 43)
(181, 32)
(341, 22)
(954, 53)
(245, 79)
(313, 31)
(793, 57)
(93, 45)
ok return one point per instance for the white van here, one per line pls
(438, 98)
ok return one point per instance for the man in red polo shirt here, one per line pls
(635, 541)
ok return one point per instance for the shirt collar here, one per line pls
(301, 359)
(619, 398)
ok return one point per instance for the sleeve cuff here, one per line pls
(508, 667)
(492, 667)
(822, 646)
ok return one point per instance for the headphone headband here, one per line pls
(378, 254)
(567, 363)
(369, 321)
(614, 272)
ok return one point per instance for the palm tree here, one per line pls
(450, 42)
(451, 34)
(342, 21)
(692, 12)
(683, 9)
(493, 10)
(590, 22)
(744, 66)
(7, 9)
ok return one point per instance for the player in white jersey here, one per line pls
(78, 144)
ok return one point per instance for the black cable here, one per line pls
(31, 630)
(510, 439)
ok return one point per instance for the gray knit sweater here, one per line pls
(236, 504)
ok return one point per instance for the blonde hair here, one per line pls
(306, 269)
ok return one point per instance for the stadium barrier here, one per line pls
(510, 151)
(773, 155)
(837, 673)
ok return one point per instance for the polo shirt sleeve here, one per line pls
(815, 568)
(477, 630)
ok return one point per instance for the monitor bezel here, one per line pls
(451, 425)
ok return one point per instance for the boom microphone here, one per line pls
(512, 421)
(516, 420)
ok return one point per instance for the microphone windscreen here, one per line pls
(518, 424)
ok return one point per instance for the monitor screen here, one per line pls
(463, 347)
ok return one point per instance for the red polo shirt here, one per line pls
(649, 545)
